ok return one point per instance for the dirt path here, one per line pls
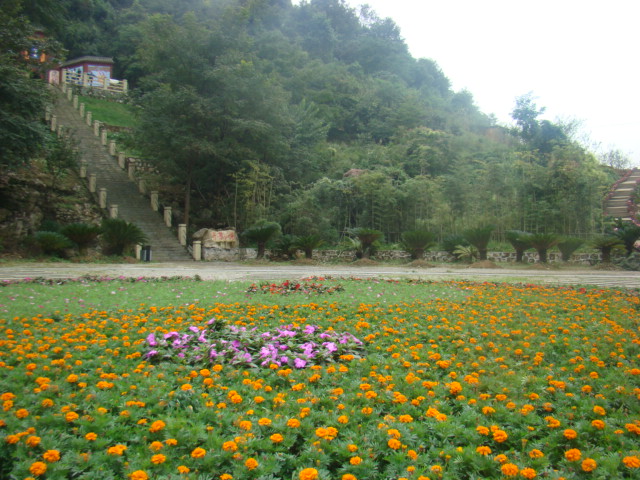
(259, 272)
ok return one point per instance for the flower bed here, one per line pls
(517, 381)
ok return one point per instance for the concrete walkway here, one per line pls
(260, 272)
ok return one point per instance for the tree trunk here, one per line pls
(519, 255)
(606, 255)
(542, 253)
(261, 248)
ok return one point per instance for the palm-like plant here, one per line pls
(479, 237)
(260, 234)
(520, 242)
(606, 243)
(286, 246)
(451, 242)
(120, 236)
(468, 253)
(568, 245)
(628, 233)
(417, 242)
(367, 238)
(542, 242)
(52, 243)
(308, 243)
(82, 234)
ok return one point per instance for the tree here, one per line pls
(367, 237)
(526, 114)
(308, 243)
(23, 96)
(119, 236)
(606, 243)
(568, 245)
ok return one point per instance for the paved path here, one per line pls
(258, 272)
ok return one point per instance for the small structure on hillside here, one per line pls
(88, 72)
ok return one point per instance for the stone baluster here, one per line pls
(92, 183)
(102, 197)
(167, 216)
(113, 211)
(154, 201)
(89, 115)
(182, 234)
(197, 250)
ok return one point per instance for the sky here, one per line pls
(579, 58)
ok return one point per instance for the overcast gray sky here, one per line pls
(579, 57)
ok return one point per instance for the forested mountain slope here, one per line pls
(256, 109)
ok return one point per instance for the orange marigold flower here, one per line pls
(535, 453)
(355, 460)
(51, 456)
(394, 443)
(589, 465)
(308, 474)
(230, 446)
(293, 423)
(139, 475)
(38, 468)
(186, 387)
(631, 462)
(198, 452)
(570, 434)
(226, 476)
(483, 450)
(171, 441)
(276, 438)
(184, 469)
(509, 470)
(251, 463)
(33, 441)
(528, 473)
(117, 449)
(500, 436)
(500, 458)
(573, 455)
(71, 417)
(482, 430)
(264, 422)
(599, 424)
(598, 410)
(157, 426)
(11, 439)
(158, 459)
(155, 446)
(91, 436)
(348, 476)
(22, 413)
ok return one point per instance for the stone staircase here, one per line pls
(121, 190)
(619, 203)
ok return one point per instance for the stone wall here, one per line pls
(327, 256)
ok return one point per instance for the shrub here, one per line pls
(606, 243)
(308, 243)
(479, 237)
(120, 236)
(286, 246)
(417, 242)
(451, 242)
(367, 238)
(628, 233)
(520, 241)
(542, 242)
(568, 245)
(52, 243)
(260, 234)
(467, 253)
(82, 234)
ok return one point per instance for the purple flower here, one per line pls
(194, 329)
(170, 335)
(299, 363)
(151, 340)
(330, 346)
(309, 329)
(151, 353)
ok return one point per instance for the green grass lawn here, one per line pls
(112, 113)
(322, 379)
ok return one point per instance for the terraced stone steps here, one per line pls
(121, 191)
(617, 204)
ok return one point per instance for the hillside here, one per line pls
(316, 116)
